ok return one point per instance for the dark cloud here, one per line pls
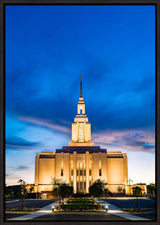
(16, 142)
(45, 85)
(22, 167)
(103, 112)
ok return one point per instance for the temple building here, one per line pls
(81, 162)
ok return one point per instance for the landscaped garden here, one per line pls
(80, 204)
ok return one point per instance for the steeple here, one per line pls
(81, 85)
(81, 105)
(81, 129)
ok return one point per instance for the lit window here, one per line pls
(99, 164)
(81, 134)
(81, 164)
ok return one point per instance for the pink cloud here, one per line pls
(131, 140)
(45, 123)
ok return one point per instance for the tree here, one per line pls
(22, 192)
(9, 193)
(65, 191)
(97, 188)
(151, 190)
(106, 191)
(31, 189)
(119, 189)
(137, 192)
(61, 190)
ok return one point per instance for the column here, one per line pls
(87, 171)
(66, 167)
(74, 171)
(83, 179)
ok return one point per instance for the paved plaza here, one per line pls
(114, 211)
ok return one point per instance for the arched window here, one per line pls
(80, 111)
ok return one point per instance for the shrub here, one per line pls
(80, 204)
(131, 210)
(13, 209)
(25, 209)
(32, 209)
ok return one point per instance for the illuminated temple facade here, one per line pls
(81, 163)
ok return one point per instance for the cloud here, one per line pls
(22, 167)
(45, 123)
(20, 143)
(54, 99)
(8, 174)
(131, 140)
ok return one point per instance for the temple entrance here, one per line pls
(81, 187)
(81, 178)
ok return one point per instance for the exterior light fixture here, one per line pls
(53, 208)
(106, 207)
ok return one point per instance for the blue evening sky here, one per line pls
(47, 48)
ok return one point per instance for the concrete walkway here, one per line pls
(12, 201)
(43, 211)
(112, 209)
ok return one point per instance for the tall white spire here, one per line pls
(81, 129)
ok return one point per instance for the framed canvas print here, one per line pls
(80, 124)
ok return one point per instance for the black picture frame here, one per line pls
(2, 100)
